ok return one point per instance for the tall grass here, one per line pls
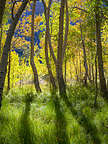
(28, 118)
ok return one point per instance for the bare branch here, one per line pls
(80, 9)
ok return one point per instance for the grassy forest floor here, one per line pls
(28, 118)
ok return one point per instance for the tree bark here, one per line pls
(61, 44)
(6, 48)
(1, 31)
(65, 37)
(9, 68)
(90, 80)
(96, 86)
(65, 67)
(80, 68)
(93, 72)
(36, 79)
(48, 41)
(85, 57)
(66, 30)
(61, 49)
(52, 79)
(48, 31)
(2, 8)
(99, 51)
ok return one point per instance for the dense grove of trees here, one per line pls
(74, 37)
(53, 71)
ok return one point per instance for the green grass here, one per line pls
(28, 118)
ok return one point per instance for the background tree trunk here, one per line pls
(96, 86)
(85, 57)
(9, 68)
(1, 30)
(65, 67)
(36, 79)
(93, 72)
(80, 68)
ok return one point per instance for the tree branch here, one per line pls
(80, 9)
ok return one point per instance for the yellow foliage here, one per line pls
(38, 19)
(17, 5)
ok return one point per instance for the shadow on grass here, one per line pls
(84, 121)
(26, 133)
(3, 121)
(61, 134)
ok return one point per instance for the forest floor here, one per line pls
(28, 118)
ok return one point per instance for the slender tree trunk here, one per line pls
(77, 70)
(61, 45)
(70, 70)
(52, 79)
(80, 67)
(99, 51)
(2, 8)
(9, 68)
(96, 87)
(85, 57)
(93, 72)
(65, 68)
(1, 31)
(90, 73)
(47, 11)
(48, 41)
(61, 48)
(66, 30)
(36, 79)
(6, 48)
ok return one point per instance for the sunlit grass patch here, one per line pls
(9, 121)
